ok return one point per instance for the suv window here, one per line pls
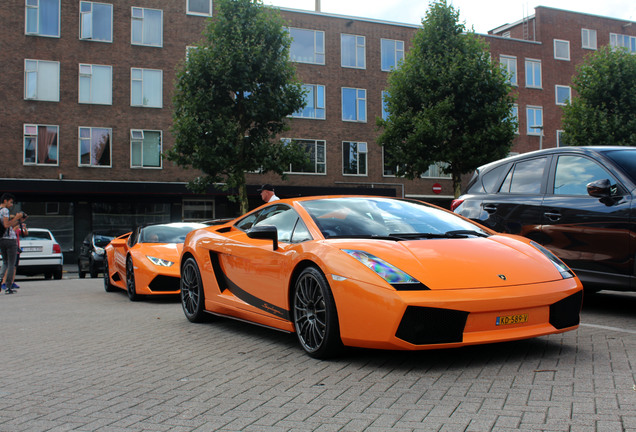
(490, 179)
(573, 173)
(525, 177)
(626, 159)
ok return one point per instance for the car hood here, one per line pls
(167, 251)
(496, 261)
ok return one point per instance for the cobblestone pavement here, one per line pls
(77, 358)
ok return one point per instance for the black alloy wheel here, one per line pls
(108, 287)
(192, 295)
(315, 315)
(130, 280)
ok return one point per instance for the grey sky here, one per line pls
(483, 15)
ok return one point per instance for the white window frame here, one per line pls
(556, 94)
(515, 114)
(618, 40)
(436, 168)
(559, 134)
(317, 103)
(35, 4)
(383, 95)
(530, 130)
(317, 142)
(534, 62)
(587, 41)
(92, 83)
(188, 12)
(396, 58)
(36, 136)
(359, 63)
(81, 23)
(359, 152)
(318, 50)
(506, 61)
(566, 43)
(30, 74)
(143, 89)
(358, 99)
(134, 18)
(137, 135)
(79, 147)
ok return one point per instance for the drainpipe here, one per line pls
(317, 5)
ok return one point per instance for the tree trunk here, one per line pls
(457, 184)
(242, 193)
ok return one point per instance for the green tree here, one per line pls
(447, 102)
(604, 112)
(232, 98)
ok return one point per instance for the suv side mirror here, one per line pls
(599, 189)
(265, 232)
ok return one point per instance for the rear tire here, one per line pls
(315, 316)
(192, 295)
(57, 273)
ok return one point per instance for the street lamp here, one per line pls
(540, 127)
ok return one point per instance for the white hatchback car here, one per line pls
(41, 254)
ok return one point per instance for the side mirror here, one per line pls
(264, 232)
(599, 189)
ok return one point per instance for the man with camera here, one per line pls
(8, 240)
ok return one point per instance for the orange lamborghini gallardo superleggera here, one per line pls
(377, 273)
(145, 261)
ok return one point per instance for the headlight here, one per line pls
(99, 251)
(566, 273)
(159, 261)
(393, 275)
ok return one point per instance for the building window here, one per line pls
(308, 46)
(388, 169)
(385, 112)
(95, 84)
(392, 52)
(534, 117)
(197, 210)
(145, 148)
(562, 94)
(509, 64)
(94, 147)
(96, 21)
(515, 116)
(354, 158)
(314, 102)
(533, 73)
(559, 138)
(352, 49)
(354, 104)
(506, 34)
(42, 80)
(147, 27)
(40, 144)
(43, 18)
(561, 49)
(146, 88)
(623, 41)
(199, 7)
(436, 170)
(315, 149)
(588, 39)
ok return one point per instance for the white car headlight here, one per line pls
(397, 278)
(566, 273)
(99, 251)
(159, 261)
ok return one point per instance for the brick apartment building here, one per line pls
(87, 90)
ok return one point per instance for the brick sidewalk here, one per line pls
(77, 358)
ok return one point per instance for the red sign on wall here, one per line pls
(437, 188)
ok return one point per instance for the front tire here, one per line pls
(92, 269)
(108, 287)
(315, 315)
(192, 295)
(131, 288)
(79, 270)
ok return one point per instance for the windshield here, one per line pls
(101, 240)
(173, 233)
(626, 159)
(385, 217)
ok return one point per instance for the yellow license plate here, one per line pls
(512, 319)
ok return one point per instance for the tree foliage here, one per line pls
(232, 98)
(447, 102)
(604, 112)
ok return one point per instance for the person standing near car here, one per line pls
(267, 193)
(20, 231)
(8, 241)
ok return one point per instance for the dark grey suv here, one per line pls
(577, 201)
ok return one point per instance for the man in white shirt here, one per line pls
(267, 193)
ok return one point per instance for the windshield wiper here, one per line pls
(366, 236)
(448, 234)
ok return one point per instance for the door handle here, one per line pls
(490, 208)
(553, 215)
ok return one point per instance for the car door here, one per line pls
(516, 207)
(592, 235)
(259, 274)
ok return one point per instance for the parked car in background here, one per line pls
(41, 254)
(376, 272)
(145, 261)
(91, 256)
(576, 201)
